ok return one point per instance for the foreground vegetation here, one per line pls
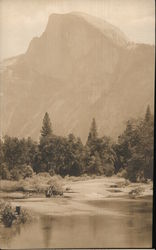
(9, 216)
(131, 156)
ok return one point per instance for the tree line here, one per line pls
(131, 156)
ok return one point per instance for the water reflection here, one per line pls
(7, 234)
(129, 225)
(46, 225)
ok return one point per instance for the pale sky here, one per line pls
(21, 20)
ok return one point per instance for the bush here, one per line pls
(37, 183)
(136, 192)
(55, 187)
(9, 215)
(54, 179)
(54, 190)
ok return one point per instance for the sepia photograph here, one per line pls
(77, 83)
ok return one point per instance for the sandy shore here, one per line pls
(106, 187)
(76, 200)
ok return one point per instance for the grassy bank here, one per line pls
(89, 187)
(38, 183)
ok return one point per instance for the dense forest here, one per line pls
(130, 157)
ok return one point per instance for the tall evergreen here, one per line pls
(44, 157)
(46, 130)
(148, 114)
(1, 151)
(93, 132)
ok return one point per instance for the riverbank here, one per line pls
(107, 187)
(78, 195)
(80, 187)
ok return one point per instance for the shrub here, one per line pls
(136, 192)
(53, 190)
(55, 178)
(9, 215)
(55, 187)
(37, 183)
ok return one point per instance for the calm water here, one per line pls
(129, 224)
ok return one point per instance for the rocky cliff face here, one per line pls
(81, 67)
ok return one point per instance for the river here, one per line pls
(119, 223)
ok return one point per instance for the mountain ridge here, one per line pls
(75, 72)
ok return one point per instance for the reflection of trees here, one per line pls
(7, 234)
(46, 223)
(139, 226)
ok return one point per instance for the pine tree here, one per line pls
(93, 129)
(1, 152)
(148, 114)
(93, 132)
(46, 130)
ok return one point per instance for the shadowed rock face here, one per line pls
(81, 67)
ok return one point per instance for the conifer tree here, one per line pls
(46, 130)
(148, 114)
(93, 132)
